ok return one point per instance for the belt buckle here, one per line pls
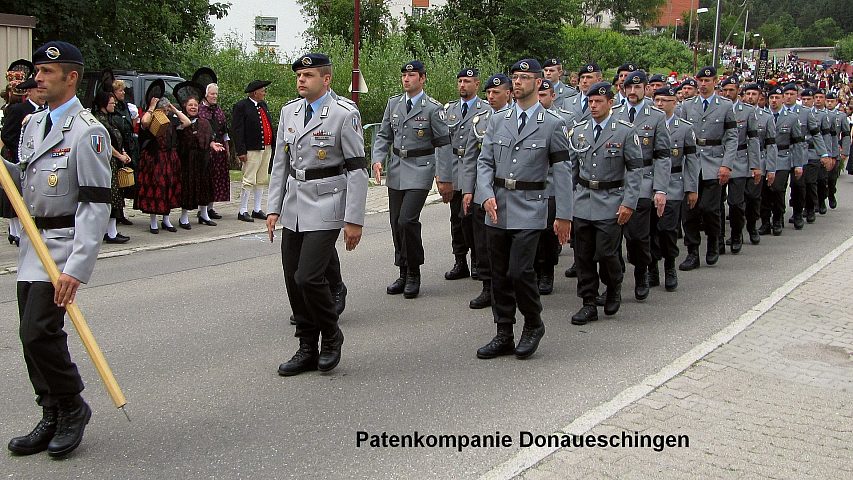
(404, 153)
(509, 183)
(593, 184)
(460, 151)
(300, 174)
(700, 142)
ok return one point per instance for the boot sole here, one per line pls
(26, 451)
(489, 357)
(71, 448)
(478, 306)
(295, 372)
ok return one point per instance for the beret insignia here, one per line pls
(52, 53)
(306, 61)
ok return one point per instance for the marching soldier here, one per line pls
(746, 168)
(64, 176)
(656, 82)
(650, 126)
(498, 90)
(814, 150)
(553, 70)
(621, 74)
(607, 163)
(459, 115)
(318, 187)
(789, 161)
(683, 180)
(412, 128)
(579, 105)
(716, 140)
(842, 129)
(521, 143)
(830, 138)
(688, 89)
(750, 93)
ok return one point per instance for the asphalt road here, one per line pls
(195, 335)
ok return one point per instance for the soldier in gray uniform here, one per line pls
(588, 75)
(621, 74)
(553, 71)
(498, 90)
(607, 162)
(683, 180)
(789, 161)
(750, 93)
(318, 187)
(830, 138)
(842, 129)
(412, 128)
(716, 140)
(688, 89)
(64, 176)
(459, 115)
(650, 126)
(521, 143)
(656, 81)
(814, 150)
(746, 168)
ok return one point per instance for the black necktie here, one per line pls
(705, 108)
(631, 114)
(48, 124)
(309, 112)
(523, 118)
(597, 132)
(776, 116)
(408, 105)
(464, 109)
(583, 108)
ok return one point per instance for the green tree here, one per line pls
(824, 32)
(334, 18)
(844, 49)
(643, 12)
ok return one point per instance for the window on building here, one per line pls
(418, 12)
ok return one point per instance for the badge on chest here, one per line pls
(52, 180)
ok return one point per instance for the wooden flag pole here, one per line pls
(53, 272)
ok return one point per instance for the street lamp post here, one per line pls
(675, 33)
(743, 50)
(356, 36)
(696, 38)
(715, 56)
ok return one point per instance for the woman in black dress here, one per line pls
(195, 145)
(103, 107)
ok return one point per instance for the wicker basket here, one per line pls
(125, 177)
(159, 121)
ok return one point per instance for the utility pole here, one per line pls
(356, 73)
(743, 49)
(716, 51)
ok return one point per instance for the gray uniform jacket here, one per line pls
(685, 164)
(767, 140)
(450, 158)
(411, 140)
(748, 145)
(331, 139)
(813, 147)
(825, 129)
(615, 156)
(563, 91)
(789, 142)
(524, 157)
(650, 127)
(716, 133)
(842, 127)
(575, 105)
(66, 174)
(473, 144)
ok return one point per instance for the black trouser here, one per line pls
(52, 373)
(548, 251)
(598, 243)
(706, 214)
(736, 200)
(513, 278)
(832, 179)
(478, 225)
(664, 231)
(752, 198)
(458, 226)
(467, 222)
(811, 174)
(305, 257)
(773, 196)
(822, 177)
(333, 272)
(637, 234)
(405, 211)
(798, 192)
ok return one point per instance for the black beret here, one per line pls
(819, 91)
(831, 96)
(665, 91)
(807, 92)
(689, 81)
(311, 60)
(546, 85)
(496, 80)
(589, 68)
(526, 65)
(600, 88)
(636, 77)
(626, 67)
(751, 86)
(729, 81)
(777, 91)
(657, 78)
(789, 87)
(551, 62)
(413, 66)
(31, 83)
(256, 85)
(57, 52)
(468, 72)
(708, 71)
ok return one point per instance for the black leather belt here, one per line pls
(48, 223)
(676, 169)
(708, 142)
(511, 184)
(782, 147)
(648, 162)
(413, 153)
(316, 173)
(459, 151)
(741, 147)
(596, 185)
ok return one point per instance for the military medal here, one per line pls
(321, 154)
(30, 143)
(646, 140)
(420, 133)
(52, 180)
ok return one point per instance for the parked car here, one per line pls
(135, 85)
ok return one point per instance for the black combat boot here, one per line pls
(641, 283)
(798, 221)
(654, 274)
(399, 285)
(572, 272)
(413, 283)
(330, 351)
(777, 227)
(546, 282)
(692, 260)
(529, 341)
(73, 415)
(459, 270)
(484, 299)
(713, 252)
(587, 313)
(612, 300)
(304, 360)
(737, 243)
(502, 344)
(37, 440)
(765, 228)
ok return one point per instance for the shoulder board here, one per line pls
(433, 100)
(447, 105)
(502, 110)
(581, 123)
(87, 117)
(656, 109)
(294, 100)
(563, 110)
(396, 96)
(723, 99)
(348, 104)
(626, 123)
(686, 122)
(619, 107)
(553, 113)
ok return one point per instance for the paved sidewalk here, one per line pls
(141, 239)
(774, 402)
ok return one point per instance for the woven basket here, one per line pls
(125, 177)
(158, 123)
